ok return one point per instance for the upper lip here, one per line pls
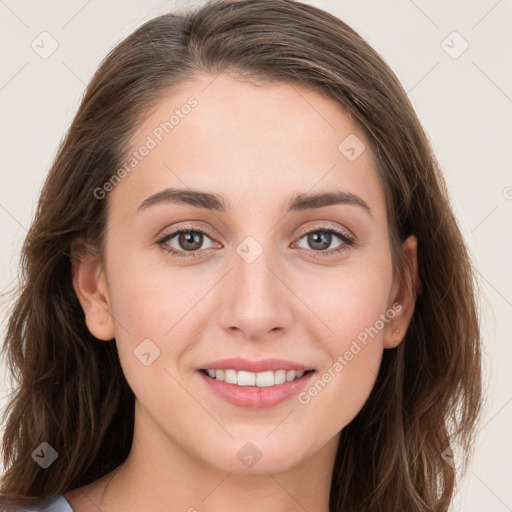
(238, 363)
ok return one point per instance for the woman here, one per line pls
(315, 347)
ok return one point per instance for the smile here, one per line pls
(259, 379)
(261, 389)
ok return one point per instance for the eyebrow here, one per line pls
(209, 201)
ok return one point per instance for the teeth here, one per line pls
(246, 379)
(260, 379)
(230, 377)
(280, 377)
(265, 379)
(290, 375)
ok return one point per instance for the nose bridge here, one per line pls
(256, 301)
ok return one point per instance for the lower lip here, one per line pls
(254, 397)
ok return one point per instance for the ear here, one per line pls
(403, 295)
(90, 287)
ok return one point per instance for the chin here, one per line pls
(260, 456)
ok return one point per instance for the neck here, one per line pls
(159, 475)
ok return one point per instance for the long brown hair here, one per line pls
(70, 389)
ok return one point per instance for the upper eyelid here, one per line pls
(304, 230)
(190, 227)
(326, 226)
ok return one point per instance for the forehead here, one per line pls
(246, 140)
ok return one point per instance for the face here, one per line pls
(258, 270)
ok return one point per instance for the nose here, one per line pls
(256, 301)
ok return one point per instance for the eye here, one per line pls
(320, 238)
(187, 240)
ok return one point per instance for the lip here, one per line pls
(240, 364)
(253, 397)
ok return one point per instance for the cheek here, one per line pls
(148, 297)
(353, 307)
(351, 304)
(147, 305)
(156, 325)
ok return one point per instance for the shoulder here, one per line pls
(57, 504)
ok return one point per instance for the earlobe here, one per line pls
(405, 289)
(91, 289)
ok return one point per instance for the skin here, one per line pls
(257, 146)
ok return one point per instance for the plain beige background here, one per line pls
(451, 57)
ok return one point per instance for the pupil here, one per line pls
(190, 237)
(321, 237)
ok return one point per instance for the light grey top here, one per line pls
(57, 504)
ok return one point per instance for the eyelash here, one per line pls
(347, 240)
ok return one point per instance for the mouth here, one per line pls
(254, 379)
(255, 384)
